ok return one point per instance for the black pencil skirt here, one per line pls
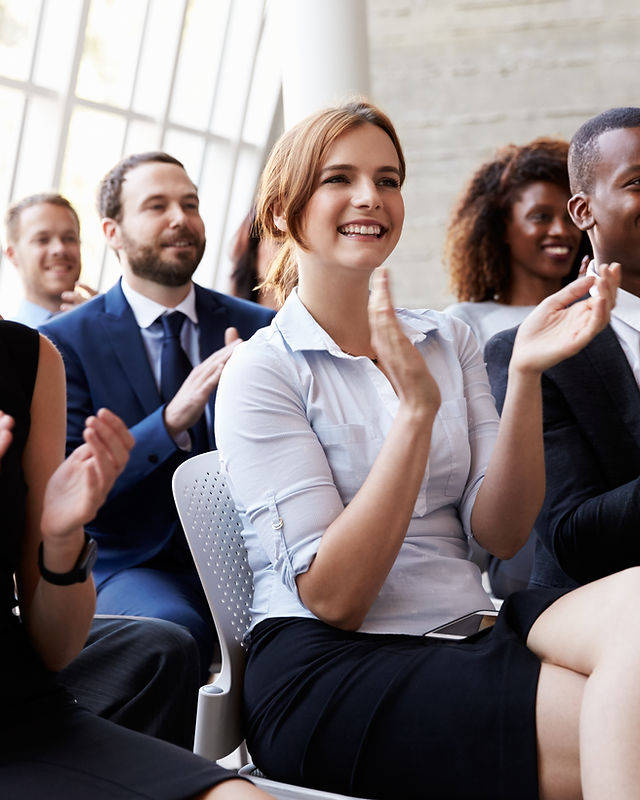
(397, 716)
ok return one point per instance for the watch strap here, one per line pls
(81, 569)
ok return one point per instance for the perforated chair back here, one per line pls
(214, 533)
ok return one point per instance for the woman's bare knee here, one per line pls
(588, 622)
(558, 704)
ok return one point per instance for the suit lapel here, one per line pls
(212, 322)
(607, 358)
(603, 370)
(121, 331)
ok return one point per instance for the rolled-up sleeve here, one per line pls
(278, 471)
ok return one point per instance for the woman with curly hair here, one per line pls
(510, 241)
(510, 244)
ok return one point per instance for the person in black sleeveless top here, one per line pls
(49, 744)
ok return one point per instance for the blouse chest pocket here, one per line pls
(449, 458)
(350, 450)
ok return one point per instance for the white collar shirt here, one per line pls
(146, 312)
(299, 424)
(625, 323)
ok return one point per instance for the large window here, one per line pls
(85, 82)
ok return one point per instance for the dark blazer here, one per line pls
(589, 525)
(106, 365)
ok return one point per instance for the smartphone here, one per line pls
(465, 626)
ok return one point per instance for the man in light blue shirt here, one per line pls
(43, 244)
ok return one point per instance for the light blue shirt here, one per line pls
(31, 314)
(146, 311)
(299, 424)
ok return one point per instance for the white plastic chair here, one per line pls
(214, 533)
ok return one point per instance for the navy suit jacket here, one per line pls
(106, 365)
(589, 525)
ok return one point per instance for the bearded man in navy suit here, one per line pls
(589, 524)
(112, 348)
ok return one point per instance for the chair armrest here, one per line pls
(218, 722)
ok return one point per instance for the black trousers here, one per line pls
(141, 673)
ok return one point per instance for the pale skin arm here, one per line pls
(513, 489)
(359, 548)
(6, 426)
(191, 398)
(61, 498)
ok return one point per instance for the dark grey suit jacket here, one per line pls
(589, 525)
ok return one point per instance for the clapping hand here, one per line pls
(399, 359)
(80, 485)
(77, 296)
(6, 435)
(188, 405)
(559, 327)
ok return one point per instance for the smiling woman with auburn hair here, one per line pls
(363, 449)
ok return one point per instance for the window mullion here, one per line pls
(235, 149)
(27, 100)
(174, 72)
(70, 94)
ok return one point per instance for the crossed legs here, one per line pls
(588, 701)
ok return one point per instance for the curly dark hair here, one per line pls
(475, 250)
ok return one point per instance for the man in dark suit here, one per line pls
(123, 350)
(588, 526)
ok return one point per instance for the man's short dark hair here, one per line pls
(584, 152)
(14, 212)
(109, 195)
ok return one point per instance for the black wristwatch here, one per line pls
(80, 571)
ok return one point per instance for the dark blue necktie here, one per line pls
(174, 370)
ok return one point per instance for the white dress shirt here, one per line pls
(625, 322)
(299, 424)
(146, 311)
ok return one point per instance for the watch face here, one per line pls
(80, 571)
(91, 554)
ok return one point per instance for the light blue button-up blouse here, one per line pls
(299, 424)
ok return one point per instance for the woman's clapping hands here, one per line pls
(562, 324)
(80, 485)
(400, 360)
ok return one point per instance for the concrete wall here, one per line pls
(460, 77)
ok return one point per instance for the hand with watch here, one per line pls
(80, 571)
(75, 492)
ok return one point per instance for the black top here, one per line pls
(21, 671)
